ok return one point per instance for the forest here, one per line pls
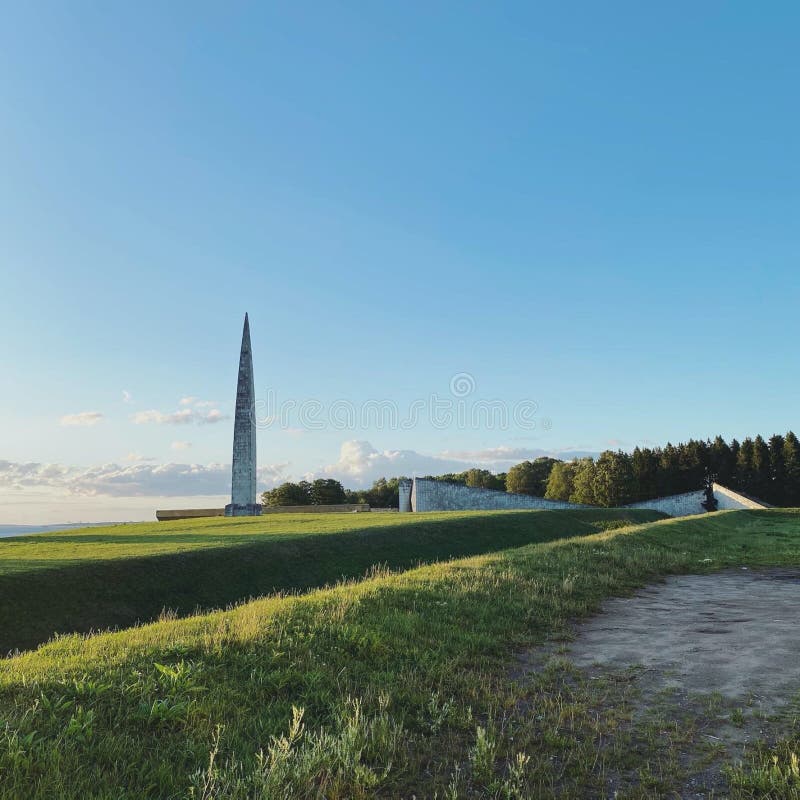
(766, 469)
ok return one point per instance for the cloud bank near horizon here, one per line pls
(358, 465)
(138, 479)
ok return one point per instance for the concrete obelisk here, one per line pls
(243, 471)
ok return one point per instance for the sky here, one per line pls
(465, 234)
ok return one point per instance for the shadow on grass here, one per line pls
(95, 595)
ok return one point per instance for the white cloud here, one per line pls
(84, 418)
(181, 445)
(126, 396)
(136, 457)
(197, 403)
(185, 416)
(131, 480)
(508, 456)
(210, 417)
(359, 463)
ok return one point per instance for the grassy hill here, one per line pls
(397, 685)
(97, 578)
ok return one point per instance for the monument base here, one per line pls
(247, 510)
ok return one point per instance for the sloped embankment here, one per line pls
(91, 579)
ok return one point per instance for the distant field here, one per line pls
(400, 685)
(100, 577)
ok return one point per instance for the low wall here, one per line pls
(728, 499)
(188, 513)
(676, 505)
(339, 508)
(689, 503)
(164, 515)
(429, 495)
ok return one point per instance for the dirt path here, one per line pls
(681, 679)
(736, 633)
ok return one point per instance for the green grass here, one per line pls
(399, 685)
(100, 578)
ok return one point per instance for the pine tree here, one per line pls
(791, 462)
(744, 466)
(693, 463)
(613, 479)
(762, 470)
(669, 471)
(645, 474)
(721, 462)
(735, 448)
(777, 470)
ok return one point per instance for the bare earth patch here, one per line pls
(694, 672)
(737, 633)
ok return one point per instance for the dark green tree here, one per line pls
(483, 479)
(744, 466)
(762, 486)
(449, 477)
(669, 468)
(613, 479)
(734, 476)
(327, 492)
(560, 484)
(791, 462)
(777, 469)
(583, 482)
(693, 461)
(356, 496)
(530, 477)
(385, 493)
(721, 462)
(645, 473)
(288, 494)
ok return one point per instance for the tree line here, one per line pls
(384, 493)
(767, 469)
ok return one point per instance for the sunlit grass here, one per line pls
(397, 685)
(100, 578)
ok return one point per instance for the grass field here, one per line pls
(398, 685)
(100, 578)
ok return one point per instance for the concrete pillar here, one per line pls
(405, 495)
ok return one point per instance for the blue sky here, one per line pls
(590, 206)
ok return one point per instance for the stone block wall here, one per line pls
(685, 505)
(339, 508)
(676, 505)
(429, 495)
(728, 499)
(162, 515)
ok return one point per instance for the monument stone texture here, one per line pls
(243, 471)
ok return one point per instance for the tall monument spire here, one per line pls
(243, 472)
